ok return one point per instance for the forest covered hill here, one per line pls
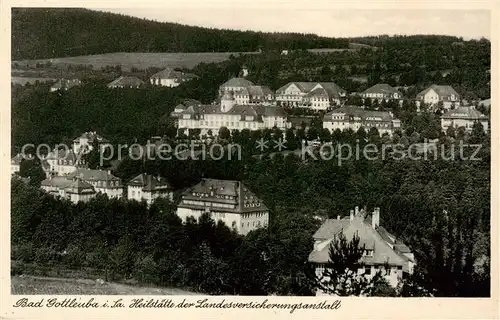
(48, 32)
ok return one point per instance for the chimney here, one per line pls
(375, 217)
(338, 217)
(356, 210)
(351, 215)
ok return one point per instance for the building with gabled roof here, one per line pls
(86, 141)
(465, 117)
(103, 181)
(73, 189)
(353, 117)
(382, 250)
(224, 200)
(254, 95)
(234, 85)
(170, 78)
(232, 115)
(381, 91)
(313, 95)
(148, 188)
(126, 82)
(439, 93)
(65, 84)
(79, 190)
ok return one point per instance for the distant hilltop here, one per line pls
(44, 33)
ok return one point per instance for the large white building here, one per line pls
(465, 117)
(381, 91)
(245, 92)
(439, 93)
(170, 78)
(383, 252)
(313, 95)
(148, 188)
(352, 117)
(228, 201)
(231, 115)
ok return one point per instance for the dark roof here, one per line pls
(256, 91)
(93, 175)
(464, 112)
(126, 81)
(243, 199)
(383, 88)
(149, 182)
(56, 181)
(237, 82)
(79, 187)
(354, 111)
(444, 92)
(169, 73)
(258, 111)
(369, 237)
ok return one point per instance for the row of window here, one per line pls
(253, 215)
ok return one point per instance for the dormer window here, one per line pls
(368, 253)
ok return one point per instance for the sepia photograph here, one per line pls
(249, 152)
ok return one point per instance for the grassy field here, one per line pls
(31, 285)
(139, 60)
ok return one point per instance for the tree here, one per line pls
(342, 272)
(224, 133)
(477, 135)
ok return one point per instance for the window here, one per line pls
(368, 269)
(387, 271)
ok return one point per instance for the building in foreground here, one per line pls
(465, 117)
(126, 82)
(438, 93)
(312, 95)
(383, 251)
(231, 115)
(148, 188)
(228, 201)
(381, 91)
(353, 117)
(170, 78)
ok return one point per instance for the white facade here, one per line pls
(137, 193)
(354, 118)
(233, 116)
(171, 83)
(467, 124)
(243, 223)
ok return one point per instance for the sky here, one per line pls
(325, 22)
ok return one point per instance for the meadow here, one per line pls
(139, 60)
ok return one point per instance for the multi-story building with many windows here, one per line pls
(231, 115)
(313, 95)
(228, 201)
(352, 117)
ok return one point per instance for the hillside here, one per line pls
(39, 33)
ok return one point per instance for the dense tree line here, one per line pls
(47, 33)
(119, 240)
(440, 208)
